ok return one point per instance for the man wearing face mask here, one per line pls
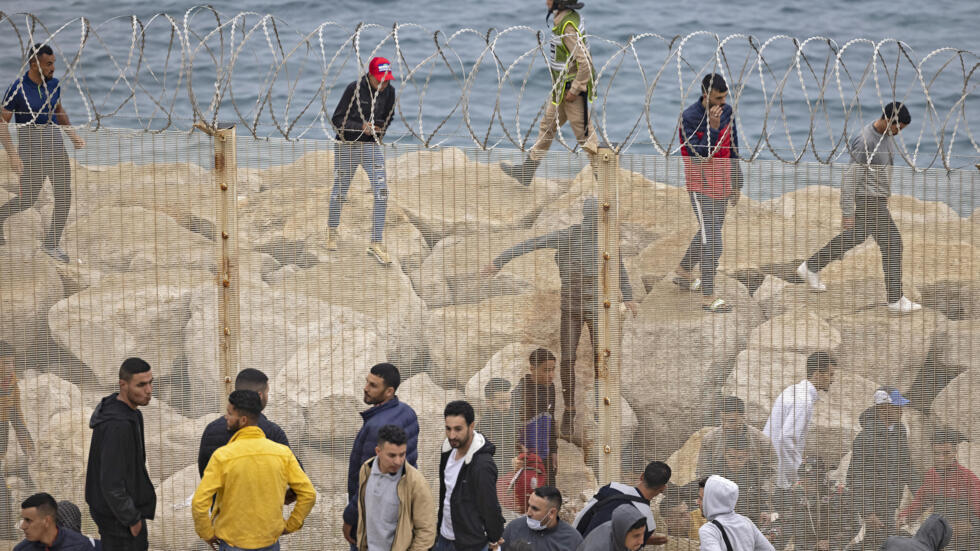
(577, 255)
(541, 526)
(246, 482)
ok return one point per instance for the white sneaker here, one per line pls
(904, 306)
(812, 279)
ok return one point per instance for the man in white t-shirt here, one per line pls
(469, 513)
(789, 420)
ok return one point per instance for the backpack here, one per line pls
(586, 519)
(514, 488)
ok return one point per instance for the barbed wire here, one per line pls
(273, 80)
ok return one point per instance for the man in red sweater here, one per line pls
(947, 481)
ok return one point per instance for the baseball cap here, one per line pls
(380, 68)
(889, 395)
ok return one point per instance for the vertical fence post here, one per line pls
(608, 395)
(226, 179)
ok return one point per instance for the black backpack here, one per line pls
(586, 520)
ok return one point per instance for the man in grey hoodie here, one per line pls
(577, 255)
(727, 530)
(864, 202)
(624, 532)
(933, 535)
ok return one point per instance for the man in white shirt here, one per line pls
(789, 420)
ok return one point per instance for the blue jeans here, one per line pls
(705, 247)
(225, 547)
(347, 157)
(442, 544)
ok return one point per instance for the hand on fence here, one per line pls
(489, 270)
(77, 140)
(632, 307)
(847, 222)
(734, 197)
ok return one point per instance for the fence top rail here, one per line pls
(793, 99)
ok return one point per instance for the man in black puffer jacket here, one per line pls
(469, 512)
(118, 490)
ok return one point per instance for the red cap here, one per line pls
(380, 68)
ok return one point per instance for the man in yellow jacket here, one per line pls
(247, 481)
(394, 506)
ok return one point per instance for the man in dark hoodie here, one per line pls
(933, 535)
(599, 509)
(469, 513)
(881, 465)
(118, 490)
(577, 255)
(38, 520)
(623, 532)
(361, 118)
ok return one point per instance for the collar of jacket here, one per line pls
(373, 410)
(478, 442)
(250, 433)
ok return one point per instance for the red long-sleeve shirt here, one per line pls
(961, 485)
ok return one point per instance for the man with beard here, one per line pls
(118, 489)
(469, 512)
(238, 504)
(216, 434)
(732, 415)
(379, 393)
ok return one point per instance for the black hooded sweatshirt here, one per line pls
(476, 515)
(117, 487)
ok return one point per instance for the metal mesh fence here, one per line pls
(151, 246)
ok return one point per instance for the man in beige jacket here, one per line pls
(572, 88)
(394, 504)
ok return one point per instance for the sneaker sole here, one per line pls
(380, 260)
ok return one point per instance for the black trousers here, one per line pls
(115, 541)
(871, 219)
(42, 150)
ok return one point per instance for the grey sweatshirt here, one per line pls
(933, 535)
(872, 155)
(560, 538)
(611, 535)
(576, 253)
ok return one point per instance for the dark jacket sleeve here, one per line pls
(624, 282)
(488, 507)
(698, 136)
(353, 469)
(547, 241)
(117, 444)
(346, 116)
(204, 452)
(386, 111)
(861, 474)
(350, 514)
(411, 425)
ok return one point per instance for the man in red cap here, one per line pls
(361, 119)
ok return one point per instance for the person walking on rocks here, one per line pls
(789, 420)
(572, 88)
(216, 434)
(881, 465)
(394, 507)
(11, 413)
(238, 504)
(577, 255)
(386, 409)
(709, 146)
(118, 489)
(34, 104)
(361, 118)
(469, 518)
(864, 202)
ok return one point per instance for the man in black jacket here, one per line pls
(118, 490)
(41, 531)
(361, 119)
(216, 434)
(881, 466)
(469, 513)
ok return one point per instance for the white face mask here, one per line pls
(537, 525)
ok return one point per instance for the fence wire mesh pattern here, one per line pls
(271, 245)
(275, 78)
